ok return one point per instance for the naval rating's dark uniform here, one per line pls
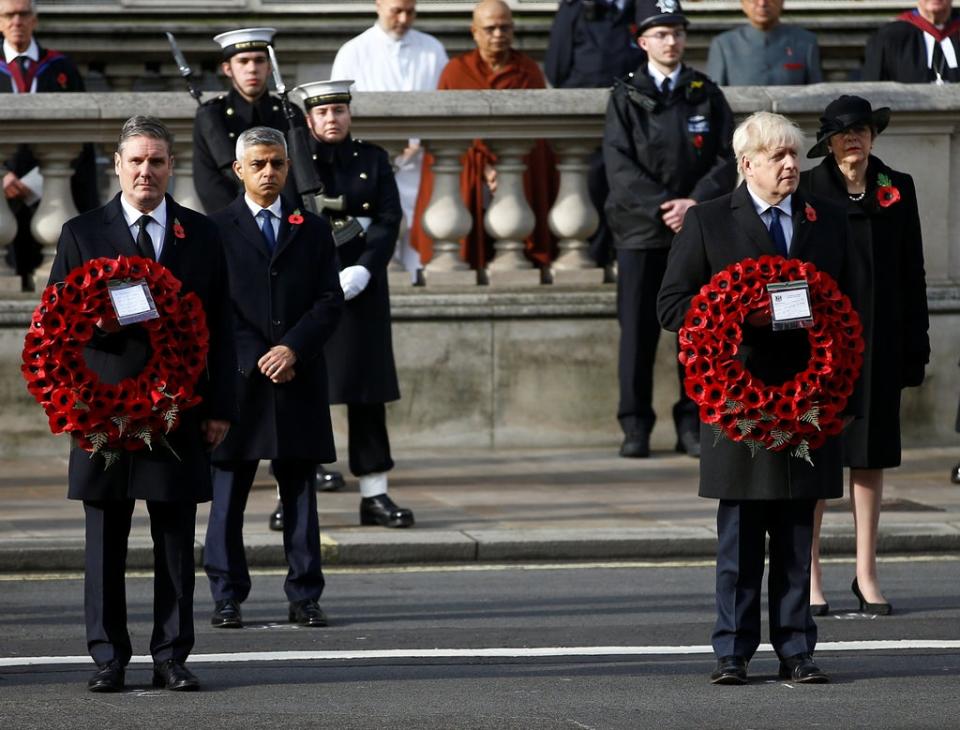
(359, 355)
(215, 130)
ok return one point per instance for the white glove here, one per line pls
(353, 280)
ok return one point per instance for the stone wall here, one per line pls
(534, 365)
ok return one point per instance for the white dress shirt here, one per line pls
(10, 54)
(274, 208)
(378, 62)
(659, 77)
(786, 211)
(946, 45)
(157, 227)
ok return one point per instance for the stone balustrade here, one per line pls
(526, 360)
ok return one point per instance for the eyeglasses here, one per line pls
(491, 29)
(661, 35)
(21, 14)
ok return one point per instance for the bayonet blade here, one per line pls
(185, 70)
(275, 67)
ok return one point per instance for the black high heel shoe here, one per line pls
(819, 609)
(876, 609)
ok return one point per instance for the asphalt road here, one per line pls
(538, 646)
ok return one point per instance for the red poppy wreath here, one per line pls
(798, 414)
(138, 411)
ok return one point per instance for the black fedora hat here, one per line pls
(843, 113)
(659, 12)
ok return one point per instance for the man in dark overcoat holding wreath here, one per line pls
(360, 352)
(143, 221)
(286, 304)
(771, 493)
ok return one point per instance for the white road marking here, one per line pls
(492, 653)
(492, 567)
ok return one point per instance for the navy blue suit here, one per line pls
(288, 296)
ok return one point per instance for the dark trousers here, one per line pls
(224, 558)
(741, 529)
(105, 598)
(367, 441)
(639, 275)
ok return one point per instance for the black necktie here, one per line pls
(776, 232)
(939, 61)
(23, 62)
(665, 87)
(144, 242)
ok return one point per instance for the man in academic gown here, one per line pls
(143, 221)
(494, 64)
(27, 68)
(921, 46)
(392, 55)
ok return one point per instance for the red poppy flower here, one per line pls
(62, 80)
(698, 141)
(295, 219)
(887, 195)
(810, 212)
(178, 231)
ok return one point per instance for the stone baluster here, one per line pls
(447, 219)
(56, 205)
(9, 281)
(573, 218)
(183, 189)
(398, 275)
(510, 218)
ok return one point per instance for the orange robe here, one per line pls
(469, 72)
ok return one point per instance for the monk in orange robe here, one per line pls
(494, 64)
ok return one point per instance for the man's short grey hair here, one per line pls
(764, 132)
(143, 126)
(260, 136)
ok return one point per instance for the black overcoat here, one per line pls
(197, 261)
(291, 298)
(360, 353)
(56, 74)
(657, 149)
(893, 305)
(715, 235)
(215, 130)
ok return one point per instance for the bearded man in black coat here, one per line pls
(772, 492)
(286, 302)
(143, 221)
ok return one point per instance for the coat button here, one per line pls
(314, 157)
(365, 206)
(276, 109)
(229, 111)
(363, 176)
(273, 272)
(356, 154)
(276, 323)
(231, 135)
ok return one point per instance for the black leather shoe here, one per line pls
(329, 481)
(955, 473)
(175, 677)
(307, 613)
(730, 670)
(688, 442)
(801, 669)
(875, 609)
(636, 445)
(819, 609)
(381, 510)
(107, 678)
(226, 615)
(276, 518)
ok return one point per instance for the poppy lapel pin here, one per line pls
(295, 218)
(810, 212)
(178, 231)
(887, 194)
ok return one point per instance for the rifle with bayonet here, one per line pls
(185, 70)
(309, 185)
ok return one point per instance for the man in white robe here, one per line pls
(393, 56)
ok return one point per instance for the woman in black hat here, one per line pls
(881, 206)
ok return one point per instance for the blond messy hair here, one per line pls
(764, 132)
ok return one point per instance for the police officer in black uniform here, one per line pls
(220, 120)
(360, 364)
(591, 45)
(667, 146)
